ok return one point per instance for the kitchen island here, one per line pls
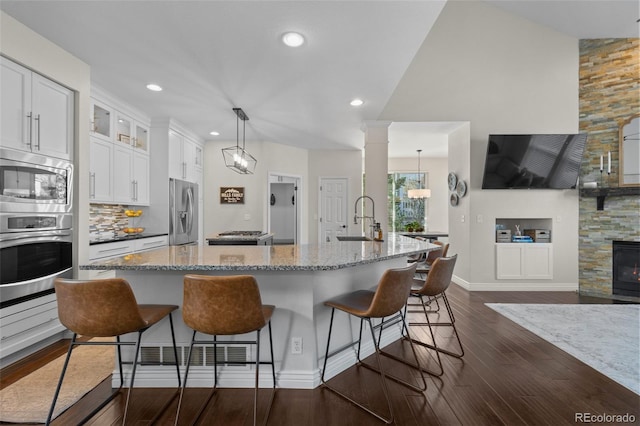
(297, 279)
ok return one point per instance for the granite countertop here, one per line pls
(125, 238)
(303, 257)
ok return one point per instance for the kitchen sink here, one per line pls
(352, 238)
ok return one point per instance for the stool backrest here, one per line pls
(434, 254)
(222, 305)
(439, 276)
(392, 292)
(98, 308)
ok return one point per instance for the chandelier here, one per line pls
(419, 193)
(236, 158)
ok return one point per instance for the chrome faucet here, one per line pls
(373, 213)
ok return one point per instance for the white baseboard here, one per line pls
(515, 286)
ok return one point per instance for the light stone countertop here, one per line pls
(303, 257)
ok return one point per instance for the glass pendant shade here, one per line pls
(419, 193)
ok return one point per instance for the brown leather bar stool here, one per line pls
(386, 303)
(225, 306)
(435, 286)
(425, 265)
(107, 308)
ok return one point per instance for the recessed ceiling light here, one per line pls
(154, 87)
(293, 39)
(356, 102)
(214, 133)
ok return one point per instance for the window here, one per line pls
(402, 209)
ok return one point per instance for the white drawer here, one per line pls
(118, 248)
(151, 243)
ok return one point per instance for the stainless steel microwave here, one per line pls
(32, 183)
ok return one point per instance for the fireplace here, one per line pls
(626, 268)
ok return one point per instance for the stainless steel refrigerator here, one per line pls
(183, 212)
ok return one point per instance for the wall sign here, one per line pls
(232, 195)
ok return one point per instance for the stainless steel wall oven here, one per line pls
(34, 251)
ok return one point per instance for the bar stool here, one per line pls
(107, 308)
(387, 300)
(225, 306)
(435, 286)
(425, 265)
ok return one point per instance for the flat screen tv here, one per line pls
(535, 161)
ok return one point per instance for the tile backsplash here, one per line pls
(107, 221)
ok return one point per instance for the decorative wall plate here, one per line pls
(453, 200)
(453, 180)
(461, 188)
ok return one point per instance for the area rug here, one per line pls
(605, 337)
(28, 400)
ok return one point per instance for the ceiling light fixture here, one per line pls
(293, 39)
(154, 87)
(356, 102)
(419, 193)
(214, 133)
(236, 158)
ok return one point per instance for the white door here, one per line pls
(53, 118)
(334, 199)
(100, 166)
(15, 105)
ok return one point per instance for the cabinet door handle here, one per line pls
(184, 170)
(30, 128)
(92, 185)
(38, 127)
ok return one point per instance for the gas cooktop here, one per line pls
(242, 233)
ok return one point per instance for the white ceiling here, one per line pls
(211, 56)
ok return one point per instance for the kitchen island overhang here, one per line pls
(297, 279)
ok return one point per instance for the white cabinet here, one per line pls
(119, 153)
(106, 250)
(185, 157)
(130, 176)
(524, 261)
(100, 170)
(144, 244)
(37, 114)
(28, 323)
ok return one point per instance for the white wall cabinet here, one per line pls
(185, 157)
(100, 170)
(119, 152)
(517, 261)
(28, 323)
(37, 113)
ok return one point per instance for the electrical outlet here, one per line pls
(296, 345)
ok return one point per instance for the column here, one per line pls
(376, 147)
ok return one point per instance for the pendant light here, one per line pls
(419, 193)
(236, 158)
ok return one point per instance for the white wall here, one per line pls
(28, 48)
(503, 74)
(436, 170)
(252, 215)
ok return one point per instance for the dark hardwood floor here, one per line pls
(508, 376)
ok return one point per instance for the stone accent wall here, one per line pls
(609, 94)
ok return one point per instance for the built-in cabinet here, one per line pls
(122, 248)
(185, 157)
(28, 323)
(37, 113)
(119, 154)
(524, 260)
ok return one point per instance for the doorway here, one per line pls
(284, 209)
